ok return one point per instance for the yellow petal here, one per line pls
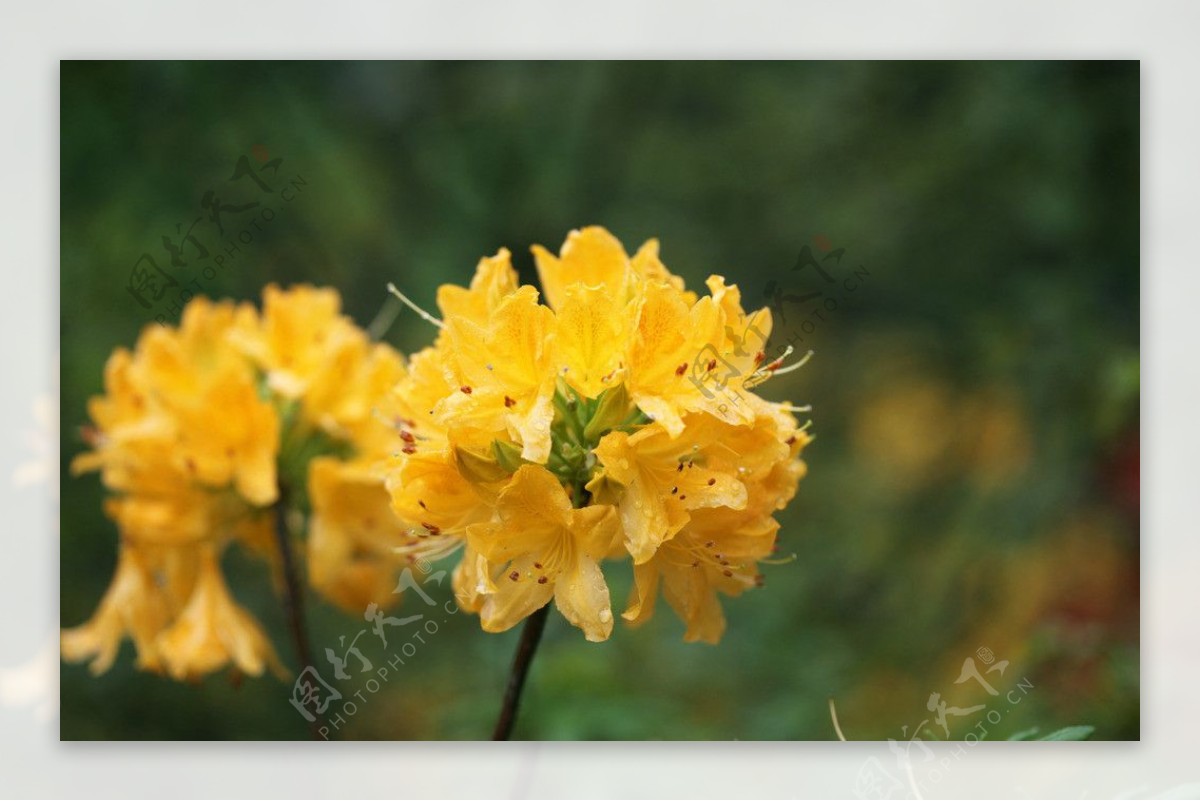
(666, 350)
(494, 280)
(213, 631)
(471, 582)
(649, 267)
(505, 372)
(534, 511)
(592, 257)
(581, 594)
(649, 513)
(643, 594)
(132, 604)
(430, 494)
(696, 604)
(517, 595)
(352, 536)
(592, 335)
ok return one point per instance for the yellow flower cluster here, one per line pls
(199, 432)
(544, 440)
(615, 422)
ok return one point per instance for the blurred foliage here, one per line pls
(974, 481)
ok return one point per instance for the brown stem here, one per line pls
(531, 634)
(293, 593)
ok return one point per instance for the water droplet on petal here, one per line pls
(605, 615)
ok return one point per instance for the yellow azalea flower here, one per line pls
(593, 257)
(626, 395)
(223, 431)
(212, 631)
(186, 402)
(495, 279)
(314, 356)
(662, 356)
(182, 514)
(134, 605)
(656, 481)
(353, 536)
(430, 489)
(715, 552)
(201, 430)
(541, 548)
(505, 373)
(592, 336)
(299, 335)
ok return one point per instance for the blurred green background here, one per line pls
(974, 480)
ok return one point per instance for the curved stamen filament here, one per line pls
(775, 368)
(706, 555)
(803, 361)
(426, 316)
(787, 407)
(427, 547)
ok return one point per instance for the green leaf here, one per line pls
(1025, 735)
(1071, 733)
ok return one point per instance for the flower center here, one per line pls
(579, 424)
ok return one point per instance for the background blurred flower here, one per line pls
(206, 436)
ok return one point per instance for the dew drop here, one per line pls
(605, 615)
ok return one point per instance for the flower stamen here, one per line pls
(424, 315)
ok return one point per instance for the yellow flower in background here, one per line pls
(212, 630)
(199, 430)
(619, 421)
(297, 337)
(352, 536)
(185, 404)
(133, 606)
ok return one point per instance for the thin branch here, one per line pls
(293, 593)
(531, 634)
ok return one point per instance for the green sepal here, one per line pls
(611, 410)
(508, 456)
